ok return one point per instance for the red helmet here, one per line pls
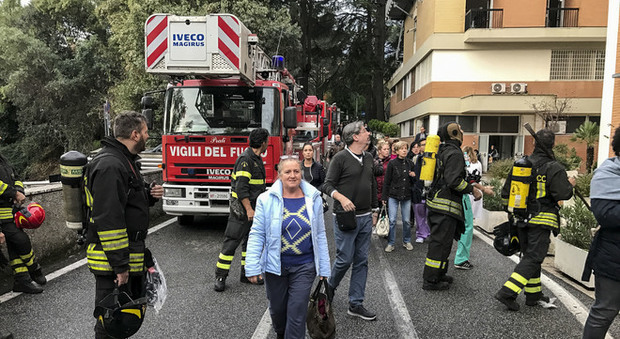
(30, 217)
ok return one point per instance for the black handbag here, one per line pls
(320, 319)
(347, 221)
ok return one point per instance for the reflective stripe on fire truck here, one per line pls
(156, 39)
(228, 39)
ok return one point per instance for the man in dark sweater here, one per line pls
(350, 181)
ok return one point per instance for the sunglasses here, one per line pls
(293, 156)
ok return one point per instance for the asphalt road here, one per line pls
(187, 255)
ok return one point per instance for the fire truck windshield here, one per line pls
(222, 110)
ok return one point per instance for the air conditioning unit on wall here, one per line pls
(518, 88)
(498, 87)
(559, 127)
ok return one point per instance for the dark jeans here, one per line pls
(288, 296)
(605, 308)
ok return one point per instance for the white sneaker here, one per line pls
(389, 248)
(408, 246)
(419, 240)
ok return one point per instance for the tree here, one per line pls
(53, 82)
(552, 110)
(587, 132)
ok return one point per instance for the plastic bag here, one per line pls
(156, 288)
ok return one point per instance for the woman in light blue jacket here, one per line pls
(287, 244)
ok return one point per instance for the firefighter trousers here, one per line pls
(21, 256)
(534, 243)
(236, 233)
(442, 232)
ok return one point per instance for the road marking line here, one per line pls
(403, 322)
(264, 326)
(572, 304)
(51, 276)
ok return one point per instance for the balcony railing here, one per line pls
(484, 18)
(562, 17)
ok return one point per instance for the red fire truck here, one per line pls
(222, 87)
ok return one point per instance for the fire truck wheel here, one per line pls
(185, 220)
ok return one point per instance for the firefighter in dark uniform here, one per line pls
(21, 255)
(247, 183)
(118, 203)
(549, 185)
(445, 206)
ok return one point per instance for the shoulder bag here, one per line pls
(383, 225)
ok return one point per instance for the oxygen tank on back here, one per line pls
(520, 186)
(71, 170)
(429, 160)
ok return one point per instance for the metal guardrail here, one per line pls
(150, 161)
(484, 18)
(562, 17)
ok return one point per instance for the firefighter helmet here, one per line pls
(31, 216)
(506, 239)
(120, 315)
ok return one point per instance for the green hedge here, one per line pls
(499, 169)
(494, 203)
(579, 222)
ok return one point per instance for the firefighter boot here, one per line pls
(36, 274)
(510, 302)
(220, 284)
(435, 285)
(23, 283)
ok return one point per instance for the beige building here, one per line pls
(493, 65)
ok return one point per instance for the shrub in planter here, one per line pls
(494, 203)
(579, 221)
(583, 184)
(499, 169)
(567, 157)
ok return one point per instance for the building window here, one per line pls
(443, 119)
(577, 65)
(468, 122)
(572, 122)
(406, 86)
(399, 91)
(501, 124)
(422, 73)
(411, 127)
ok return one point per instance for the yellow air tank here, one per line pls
(520, 185)
(430, 159)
